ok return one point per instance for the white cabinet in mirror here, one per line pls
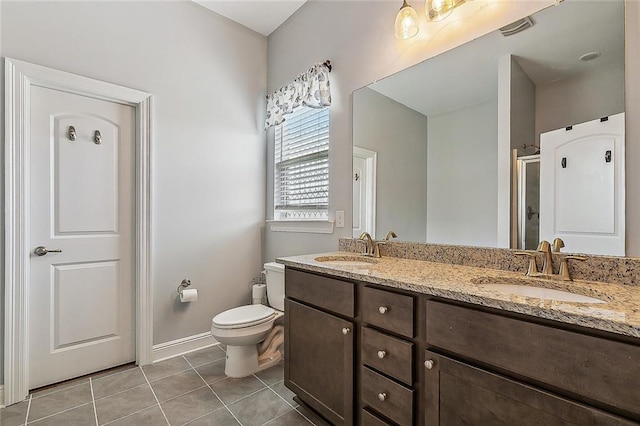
(447, 132)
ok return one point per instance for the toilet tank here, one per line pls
(274, 274)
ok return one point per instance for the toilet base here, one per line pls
(242, 361)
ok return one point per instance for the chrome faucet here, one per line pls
(547, 265)
(371, 248)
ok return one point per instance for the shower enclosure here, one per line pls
(528, 201)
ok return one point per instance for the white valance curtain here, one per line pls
(310, 88)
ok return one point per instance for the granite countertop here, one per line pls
(620, 312)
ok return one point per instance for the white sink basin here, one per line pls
(344, 260)
(540, 293)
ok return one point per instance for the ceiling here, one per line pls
(262, 16)
(547, 52)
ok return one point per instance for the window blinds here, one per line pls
(302, 165)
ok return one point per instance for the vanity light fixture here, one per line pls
(406, 25)
(437, 10)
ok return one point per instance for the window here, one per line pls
(301, 185)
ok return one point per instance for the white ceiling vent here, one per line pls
(516, 27)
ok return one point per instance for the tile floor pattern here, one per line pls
(190, 389)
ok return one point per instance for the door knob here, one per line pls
(429, 364)
(42, 250)
(382, 396)
(382, 354)
(383, 310)
(346, 330)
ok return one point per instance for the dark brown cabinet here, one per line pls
(386, 396)
(390, 311)
(459, 394)
(597, 371)
(319, 355)
(358, 353)
(386, 356)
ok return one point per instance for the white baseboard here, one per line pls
(167, 350)
(182, 346)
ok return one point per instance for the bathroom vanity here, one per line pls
(409, 342)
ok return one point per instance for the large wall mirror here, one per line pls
(430, 141)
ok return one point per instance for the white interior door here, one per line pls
(582, 198)
(359, 210)
(81, 299)
(364, 191)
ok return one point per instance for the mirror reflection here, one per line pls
(449, 151)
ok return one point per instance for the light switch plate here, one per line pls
(339, 218)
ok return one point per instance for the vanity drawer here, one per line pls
(370, 419)
(387, 397)
(388, 354)
(324, 292)
(391, 311)
(596, 368)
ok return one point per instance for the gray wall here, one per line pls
(357, 36)
(522, 118)
(399, 135)
(523, 109)
(208, 78)
(462, 176)
(585, 97)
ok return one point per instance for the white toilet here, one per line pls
(243, 328)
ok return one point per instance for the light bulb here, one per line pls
(437, 10)
(438, 5)
(406, 25)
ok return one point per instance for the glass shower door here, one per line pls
(528, 172)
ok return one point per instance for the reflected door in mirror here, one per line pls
(364, 191)
(582, 197)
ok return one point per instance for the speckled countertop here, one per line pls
(620, 312)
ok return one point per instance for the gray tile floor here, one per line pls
(190, 389)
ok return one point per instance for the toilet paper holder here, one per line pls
(184, 284)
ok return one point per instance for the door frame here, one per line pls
(19, 77)
(371, 161)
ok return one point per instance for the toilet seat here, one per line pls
(244, 316)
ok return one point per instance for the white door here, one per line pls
(359, 210)
(364, 191)
(81, 299)
(582, 198)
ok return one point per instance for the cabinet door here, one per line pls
(458, 394)
(595, 368)
(319, 361)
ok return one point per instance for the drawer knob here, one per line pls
(382, 354)
(346, 330)
(382, 396)
(429, 364)
(383, 310)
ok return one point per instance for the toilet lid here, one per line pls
(244, 316)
